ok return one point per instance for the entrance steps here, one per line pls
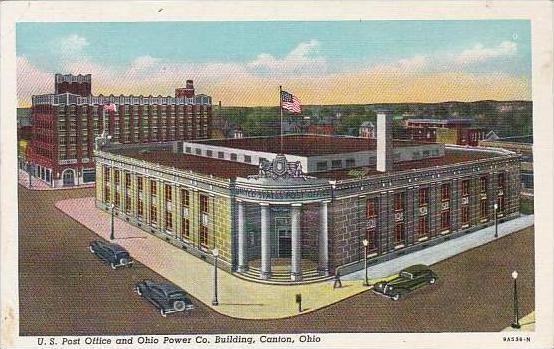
(280, 274)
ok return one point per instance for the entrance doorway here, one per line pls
(68, 178)
(285, 245)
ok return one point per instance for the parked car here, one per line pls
(407, 280)
(114, 254)
(166, 297)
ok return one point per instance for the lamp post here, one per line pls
(215, 253)
(515, 324)
(29, 173)
(496, 220)
(366, 243)
(112, 236)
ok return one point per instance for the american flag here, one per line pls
(109, 107)
(290, 102)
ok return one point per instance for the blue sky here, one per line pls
(271, 50)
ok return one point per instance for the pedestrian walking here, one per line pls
(338, 283)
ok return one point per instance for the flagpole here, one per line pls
(281, 111)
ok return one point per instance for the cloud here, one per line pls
(71, 44)
(423, 78)
(480, 53)
(302, 60)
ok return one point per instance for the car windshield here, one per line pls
(406, 275)
(175, 294)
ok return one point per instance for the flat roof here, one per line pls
(230, 169)
(305, 145)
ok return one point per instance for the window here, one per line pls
(139, 184)
(221, 155)
(423, 196)
(203, 204)
(209, 153)
(321, 166)
(127, 192)
(399, 233)
(500, 203)
(153, 188)
(153, 215)
(445, 192)
(483, 209)
(106, 184)
(399, 201)
(423, 226)
(233, 157)
(168, 221)
(198, 151)
(140, 208)
(465, 214)
(204, 236)
(445, 220)
(484, 184)
(350, 163)
(501, 180)
(247, 158)
(188, 150)
(185, 198)
(465, 187)
(371, 211)
(185, 229)
(336, 164)
(168, 193)
(371, 236)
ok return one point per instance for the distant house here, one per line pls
(367, 130)
(446, 131)
(491, 136)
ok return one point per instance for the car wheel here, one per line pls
(137, 290)
(123, 261)
(91, 249)
(179, 305)
(396, 297)
(432, 281)
(113, 266)
(162, 312)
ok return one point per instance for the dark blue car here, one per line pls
(166, 297)
(113, 254)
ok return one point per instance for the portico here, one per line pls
(278, 240)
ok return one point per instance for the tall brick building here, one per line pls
(65, 125)
(302, 213)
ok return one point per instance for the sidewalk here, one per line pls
(527, 324)
(237, 297)
(39, 184)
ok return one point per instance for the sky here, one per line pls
(244, 63)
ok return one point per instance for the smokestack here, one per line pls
(384, 141)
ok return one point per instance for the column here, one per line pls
(296, 243)
(265, 272)
(242, 245)
(323, 240)
(409, 216)
(455, 211)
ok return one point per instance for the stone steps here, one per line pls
(282, 276)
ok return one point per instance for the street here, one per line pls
(65, 290)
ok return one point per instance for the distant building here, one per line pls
(66, 124)
(74, 84)
(446, 131)
(238, 133)
(186, 92)
(368, 130)
(321, 129)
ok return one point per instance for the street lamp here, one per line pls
(215, 253)
(112, 236)
(366, 243)
(515, 324)
(496, 220)
(29, 173)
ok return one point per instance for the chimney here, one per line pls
(384, 141)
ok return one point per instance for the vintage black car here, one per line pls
(166, 297)
(114, 254)
(407, 280)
